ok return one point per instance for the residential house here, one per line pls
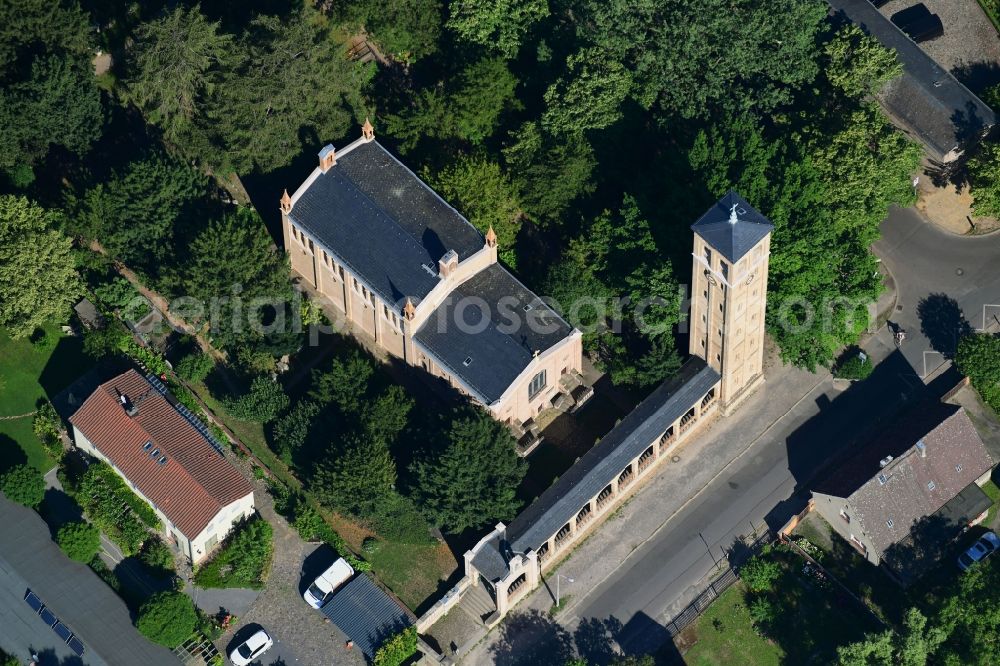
(167, 456)
(910, 491)
(416, 278)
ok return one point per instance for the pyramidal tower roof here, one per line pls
(732, 226)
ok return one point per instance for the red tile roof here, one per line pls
(196, 481)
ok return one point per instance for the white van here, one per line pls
(339, 573)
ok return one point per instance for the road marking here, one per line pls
(943, 361)
(988, 305)
(695, 496)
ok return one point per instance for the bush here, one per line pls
(158, 557)
(244, 559)
(763, 612)
(48, 428)
(265, 400)
(80, 541)
(397, 648)
(195, 366)
(167, 618)
(370, 545)
(759, 574)
(852, 366)
(119, 294)
(23, 484)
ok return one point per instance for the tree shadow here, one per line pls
(11, 454)
(978, 76)
(942, 323)
(532, 638)
(594, 639)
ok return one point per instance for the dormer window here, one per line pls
(467, 362)
(154, 453)
(883, 479)
(148, 445)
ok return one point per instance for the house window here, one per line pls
(536, 385)
(958, 468)
(888, 523)
(725, 270)
(931, 485)
(708, 256)
(341, 268)
(882, 479)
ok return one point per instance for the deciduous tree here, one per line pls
(38, 281)
(23, 484)
(978, 357)
(589, 96)
(79, 540)
(263, 402)
(497, 25)
(857, 63)
(480, 190)
(167, 618)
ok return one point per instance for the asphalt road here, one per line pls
(770, 483)
(938, 276)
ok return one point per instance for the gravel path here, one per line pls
(969, 47)
(301, 635)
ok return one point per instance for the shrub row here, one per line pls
(119, 512)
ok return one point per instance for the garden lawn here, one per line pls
(28, 373)
(812, 621)
(416, 573)
(725, 635)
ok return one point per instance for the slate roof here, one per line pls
(500, 339)
(603, 463)
(926, 99)
(732, 239)
(489, 562)
(196, 481)
(915, 486)
(367, 614)
(383, 222)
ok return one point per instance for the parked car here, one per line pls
(918, 23)
(336, 575)
(251, 648)
(983, 548)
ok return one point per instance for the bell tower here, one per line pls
(732, 243)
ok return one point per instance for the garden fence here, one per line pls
(720, 583)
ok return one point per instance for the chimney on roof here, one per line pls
(286, 203)
(327, 157)
(127, 405)
(367, 131)
(448, 263)
(885, 461)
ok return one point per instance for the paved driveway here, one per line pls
(301, 635)
(945, 284)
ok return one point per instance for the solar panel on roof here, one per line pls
(62, 631)
(76, 645)
(48, 616)
(32, 600)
